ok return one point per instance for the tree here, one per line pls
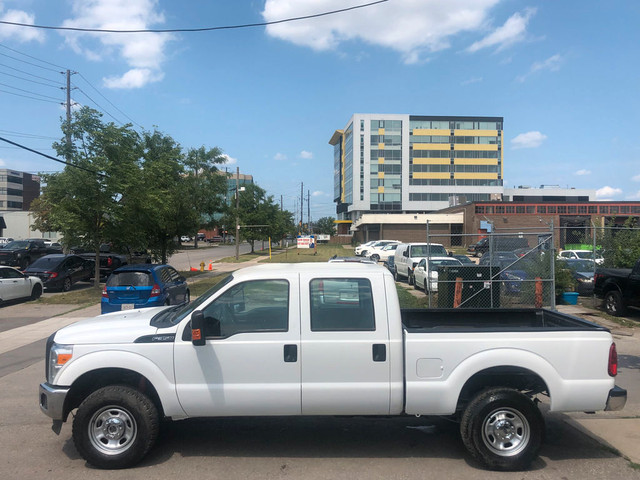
(83, 202)
(206, 188)
(325, 226)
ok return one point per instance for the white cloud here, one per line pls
(306, 155)
(143, 52)
(471, 80)
(636, 178)
(318, 193)
(551, 64)
(635, 196)
(134, 78)
(3, 163)
(583, 172)
(411, 27)
(279, 156)
(513, 31)
(528, 140)
(229, 160)
(607, 192)
(21, 34)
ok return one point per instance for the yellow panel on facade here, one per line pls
(431, 175)
(381, 131)
(431, 146)
(380, 174)
(431, 161)
(474, 161)
(470, 175)
(475, 133)
(432, 131)
(380, 159)
(380, 189)
(475, 147)
(381, 146)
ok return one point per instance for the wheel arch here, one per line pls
(91, 381)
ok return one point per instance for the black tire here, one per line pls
(66, 284)
(503, 429)
(613, 303)
(479, 254)
(395, 274)
(24, 263)
(410, 279)
(167, 301)
(115, 427)
(187, 297)
(415, 285)
(375, 257)
(36, 291)
(425, 287)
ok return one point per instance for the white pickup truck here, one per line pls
(323, 339)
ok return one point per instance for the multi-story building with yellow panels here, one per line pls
(415, 164)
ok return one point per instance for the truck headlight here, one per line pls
(58, 356)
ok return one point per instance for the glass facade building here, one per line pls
(395, 163)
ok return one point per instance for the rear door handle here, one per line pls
(379, 352)
(290, 353)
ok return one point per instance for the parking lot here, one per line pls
(310, 448)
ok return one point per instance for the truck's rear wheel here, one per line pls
(503, 429)
(613, 303)
(115, 427)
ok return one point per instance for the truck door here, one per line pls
(345, 346)
(250, 364)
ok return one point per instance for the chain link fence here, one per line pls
(499, 270)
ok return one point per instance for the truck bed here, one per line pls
(474, 320)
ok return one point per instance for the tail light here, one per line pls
(613, 361)
(51, 274)
(156, 291)
(109, 261)
(104, 292)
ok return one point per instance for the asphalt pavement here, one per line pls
(25, 327)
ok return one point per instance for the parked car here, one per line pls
(363, 246)
(15, 284)
(425, 275)
(581, 255)
(465, 260)
(59, 271)
(582, 272)
(388, 252)
(4, 241)
(21, 253)
(201, 237)
(185, 238)
(500, 244)
(512, 269)
(620, 288)
(374, 251)
(389, 263)
(215, 239)
(143, 285)
(407, 256)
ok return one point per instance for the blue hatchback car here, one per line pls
(143, 285)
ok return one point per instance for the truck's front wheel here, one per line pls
(115, 427)
(613, 303)
(503, 429)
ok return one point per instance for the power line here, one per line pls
(29, 63)
(27, 91)
(204, 29)
(32, 98)
(69, 164)
(26, 73)
(34, 58)
(109, 101)
(98, 105)
(32, 81)
(26, 135)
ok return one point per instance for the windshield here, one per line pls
(16, 244)
(428, 250)
(175, 315)
(581, 265)
(136, 279)
(588, 255)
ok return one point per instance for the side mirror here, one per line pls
(197, 328)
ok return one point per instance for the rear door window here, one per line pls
(339, 304)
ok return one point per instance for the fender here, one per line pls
(440, 396)
(132, 361)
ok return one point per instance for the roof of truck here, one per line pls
(321, 268)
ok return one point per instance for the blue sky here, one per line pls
(565, 75)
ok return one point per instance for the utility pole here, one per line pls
(68, 115)
(301, 206)
(309, 209)
(237, 213)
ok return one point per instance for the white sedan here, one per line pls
(15, 284)
(424, 271)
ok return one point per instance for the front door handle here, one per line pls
(379, 352)
(290, 353)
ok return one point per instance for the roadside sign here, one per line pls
(306, 241)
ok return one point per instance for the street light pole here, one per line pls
(237, 214)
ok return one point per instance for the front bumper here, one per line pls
(617, 399)
(52, 401)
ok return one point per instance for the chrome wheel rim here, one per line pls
(506, 432)
(112, 430)
(611, 304)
